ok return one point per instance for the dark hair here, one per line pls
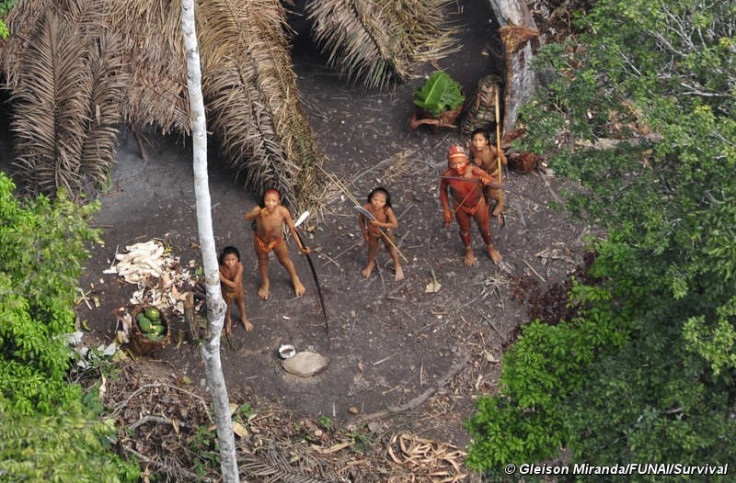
(481, 131)
(227, 251)
(383, 190)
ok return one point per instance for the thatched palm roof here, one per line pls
(77, 68)
(377, 42)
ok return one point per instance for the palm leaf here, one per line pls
(153, 55)
(377, 42)
(270, 464)
(250, 86)
(21, 21)
(251, 94)
(52, 106)
(108, 90)
(354, 34)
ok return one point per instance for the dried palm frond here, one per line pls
(153, 53)
(52, 106)
(270, 464)
(428, 33)
(377, 42)
(251, 95)
(108, 89)
(249, 84)
(21, 21)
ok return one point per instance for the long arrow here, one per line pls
(370, 217)
(475, 180)
(298, 222)
(492, 185)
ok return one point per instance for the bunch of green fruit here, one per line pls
(150, 323)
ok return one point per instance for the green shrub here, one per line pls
(44, 248)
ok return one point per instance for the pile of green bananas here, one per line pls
(150, 323)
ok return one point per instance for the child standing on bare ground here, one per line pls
(485, 156)
(379, 206)
(231, 282)
(269, 222)
(464, 182)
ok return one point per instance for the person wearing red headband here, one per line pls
(464, 182)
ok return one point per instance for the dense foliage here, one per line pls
(46, 431)
(5, 6)
(641, 111)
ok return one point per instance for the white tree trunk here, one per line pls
(215, 303)
(520, 79)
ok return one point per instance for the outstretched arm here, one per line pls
(484, 177)
(252, 213)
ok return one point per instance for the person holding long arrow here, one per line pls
(464, 182)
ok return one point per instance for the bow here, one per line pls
(298, 222)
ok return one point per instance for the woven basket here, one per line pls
(524, 162)
(141, 344)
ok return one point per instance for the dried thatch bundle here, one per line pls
(379, 41)
(153, 54)
(137, 70)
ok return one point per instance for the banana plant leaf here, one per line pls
(438, 94)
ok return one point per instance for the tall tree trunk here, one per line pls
(520, 79)
(215, 304)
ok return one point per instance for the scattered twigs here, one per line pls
(120, 406)
(428, 459)
(155, 419)
(347, 249)
(417, 401)
(175, 471)
(535, 272)
(386, 358)
(493, 326)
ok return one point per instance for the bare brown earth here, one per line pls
(403, 363)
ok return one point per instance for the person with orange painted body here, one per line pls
(485, 156)
(464, 182)
(379, 205)
(268, 236)
(231, 285)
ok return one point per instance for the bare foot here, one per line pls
(263, 291)
(494, 255)
(248, 326)
(399, 275)
(469, 258)
(299, 289)
(501, 219)
(368, 269)
(228, 326)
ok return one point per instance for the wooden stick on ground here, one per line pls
(458, 366)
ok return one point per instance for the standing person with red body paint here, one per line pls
(464, 182)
